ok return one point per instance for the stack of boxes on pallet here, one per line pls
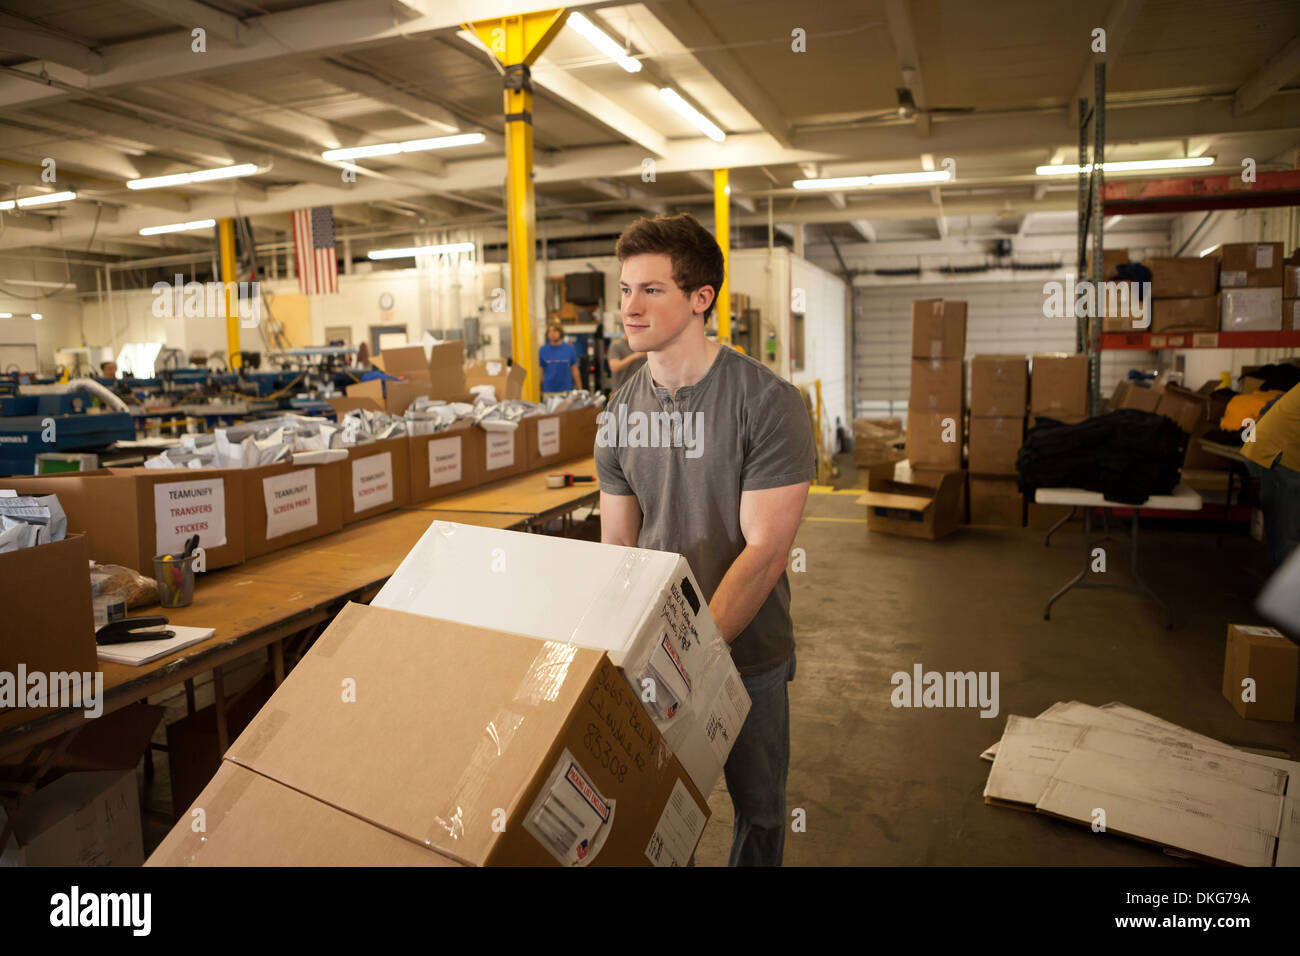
(936, 397)
(999, 388)
(1250, 280)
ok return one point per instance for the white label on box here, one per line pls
(290, 502)
(1264, 257)
(678, 830)
(444, 461)
(500, 450)
(725, 715)
(1232, 279)
(1259, 631)
(182, 509)
(548, 436)
(372, 481)
(570, 818)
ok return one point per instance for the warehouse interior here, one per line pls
(1031, 267)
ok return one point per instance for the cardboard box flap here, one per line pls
(431, 767)
(408, 362)
(888, 499)
(342, 406)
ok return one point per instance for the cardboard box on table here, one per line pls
(376, 478)
(560, 436)
(1250, 310)
(1058, 385)
(913, 509)
(643, 607)
(994, 445)
(1264, 656)
(999, 386)
(578, 433)
(81, 819)
(1248, 265)
(507, 380)
(938, 329)
(49, 623)
(437, 373)
(442, 463)
(287, 504)
(485, 747)
(996, 501)
(498, 453)
(129, 515)
(1184, 277)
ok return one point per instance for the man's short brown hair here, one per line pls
(696, 256)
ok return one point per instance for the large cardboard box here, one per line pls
(994, 445)
(506, 379)
(1261, 665)
(1187, 408)
(131, 514)
(999, 386)
(81, 819)
(875, 441)
(1249, 265)
(1250, 310)
(1184, 277)
(927, 439)
(930, 476)
(937, 385)
(643, 607)
(938, 329)
(487, 747)
(442, 464)
(578, 431)
(438, 372)
(997, 502)
(1111, 259)
(1185, 315)
(376, 478)
(288, 504)
(912, 509)
(49, 624)
(1130, 395)
(1058, 385)
(251, 820)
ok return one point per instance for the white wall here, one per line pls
(825, 337)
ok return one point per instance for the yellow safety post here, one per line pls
(722, 226)
(226, 235)
(517, 42)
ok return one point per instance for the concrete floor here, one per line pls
(887, 786)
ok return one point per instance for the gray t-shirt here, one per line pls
(619, 349)
(688, 457)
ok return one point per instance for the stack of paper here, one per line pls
(1144, 777)
(142, 652)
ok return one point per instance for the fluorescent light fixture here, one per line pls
(603, 42)
(407, 146)
(702, 122)
(200, 176)
(43, 199)
(411, 251)
(6, 315)
(178, 227)
(37, 316)
(1205, 252)
(1134, 165)
(883, 179)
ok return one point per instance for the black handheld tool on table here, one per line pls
(129, 629)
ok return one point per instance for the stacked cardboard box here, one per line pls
(875, 441)
(1259, 673)
(1291, 293)
(1058, 387)
(1183, 290)
(999, 389)
(1251, 276)
(936, 395)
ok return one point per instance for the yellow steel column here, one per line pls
(722, 228)
(226, 234)
(517, 41)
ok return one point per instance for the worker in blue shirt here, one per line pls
(559, 363)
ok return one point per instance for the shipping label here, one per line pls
(290, 502)
(372, 481)
(570, 817)
(444, 461)
(182, 509)
(678, 830)
(548, 436)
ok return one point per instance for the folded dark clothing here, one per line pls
(1127, 455)
(1278, 378)
(1222, 436)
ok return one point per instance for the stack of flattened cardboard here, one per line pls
(402, 740)
(876, 440)
(1120, 770)
(936, 397)
(1183, 290)
(999, 389)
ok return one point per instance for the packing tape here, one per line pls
(215, 810)
(258, 735)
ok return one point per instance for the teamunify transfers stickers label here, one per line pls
(182, 509)
(677, 831)
(570, 817)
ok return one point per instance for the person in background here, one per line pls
(108, 369)
(1274, 458)
(559, 362)
(622, 360)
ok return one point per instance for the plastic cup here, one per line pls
(175, 581)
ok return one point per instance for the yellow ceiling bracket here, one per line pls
(517, 42)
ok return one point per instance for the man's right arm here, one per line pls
(620, 519)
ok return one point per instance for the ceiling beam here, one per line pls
(1119, 24)
(357, 79)
(1268, 79)
(898, 14)
(24, 38)
(190, 14)
(865, 229)
(635, 196)
(684, 20)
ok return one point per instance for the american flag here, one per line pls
(313, 244)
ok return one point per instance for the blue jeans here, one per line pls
(1279, 498)
(756, 770)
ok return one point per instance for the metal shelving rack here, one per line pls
(1091, 182)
